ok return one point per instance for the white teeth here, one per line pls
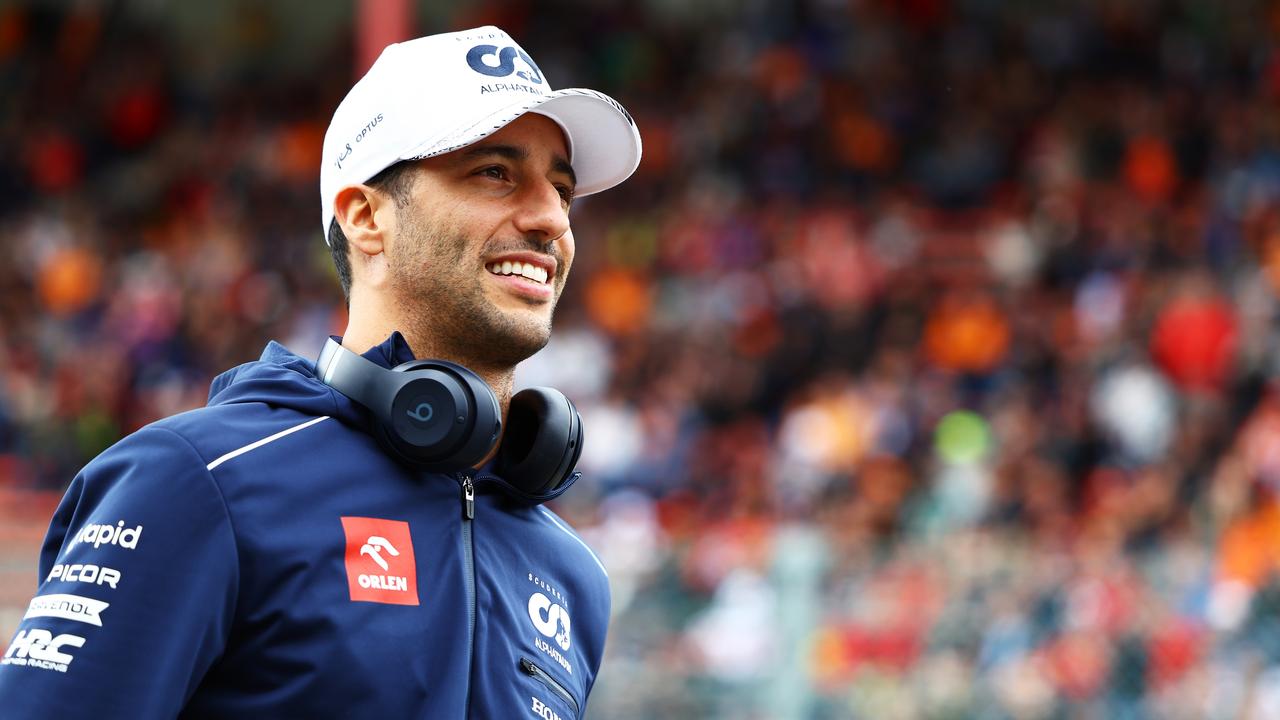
(523, 269)
(532, 272)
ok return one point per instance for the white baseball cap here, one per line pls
(438, 93)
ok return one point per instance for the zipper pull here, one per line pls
(468, 497)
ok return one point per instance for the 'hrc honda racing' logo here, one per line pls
(379, 560)
(39, 648)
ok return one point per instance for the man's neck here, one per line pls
(365, 332)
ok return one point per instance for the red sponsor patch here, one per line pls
(380, 566)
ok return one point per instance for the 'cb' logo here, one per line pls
(550, 619)
(479, 58)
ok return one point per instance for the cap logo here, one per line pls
(506, 62)
(345, 152)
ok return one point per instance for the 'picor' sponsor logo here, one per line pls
(39, 648)
(379, 561)
(99, 535)
(86, 573)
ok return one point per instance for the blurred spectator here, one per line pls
(927, 362)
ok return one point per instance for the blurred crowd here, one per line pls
(926, 362)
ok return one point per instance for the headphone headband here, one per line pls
(441, 417)
(359, 376)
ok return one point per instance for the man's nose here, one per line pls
(542, 213)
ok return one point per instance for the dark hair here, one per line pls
(394, 180)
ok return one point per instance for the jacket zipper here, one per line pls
(511, 491)
(530, 669)
(469, 574)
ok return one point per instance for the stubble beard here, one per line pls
(444, 305)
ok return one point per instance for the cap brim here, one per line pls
(604, 143)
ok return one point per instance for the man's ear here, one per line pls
(365, 216)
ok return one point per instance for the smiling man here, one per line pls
(468, 254)
(363, 536)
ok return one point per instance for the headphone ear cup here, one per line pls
(542, 442)
(442, 417)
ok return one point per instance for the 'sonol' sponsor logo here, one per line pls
(379, 561)
(67, 607)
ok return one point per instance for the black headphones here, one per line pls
(441, 417)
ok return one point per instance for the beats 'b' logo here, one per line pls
(476, 58)
(422, 413)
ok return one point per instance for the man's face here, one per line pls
(482, 249)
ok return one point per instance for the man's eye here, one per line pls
(566, 193)
(494, 171)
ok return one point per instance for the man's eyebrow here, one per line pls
(507, 152)
(561, 164)
(514, 153)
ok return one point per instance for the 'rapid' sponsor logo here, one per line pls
(100, 535)
(379, 561)
(91, 574)
(39, 648)
(67, 607)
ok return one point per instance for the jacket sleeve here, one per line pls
(137, 587)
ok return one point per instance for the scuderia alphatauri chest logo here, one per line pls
(379, 561)
(550, 617)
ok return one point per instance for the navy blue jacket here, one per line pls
(262, 557)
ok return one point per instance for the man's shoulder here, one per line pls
(221, 433)
(563, 546)
(207, 437)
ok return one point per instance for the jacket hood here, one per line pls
(282, 378)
